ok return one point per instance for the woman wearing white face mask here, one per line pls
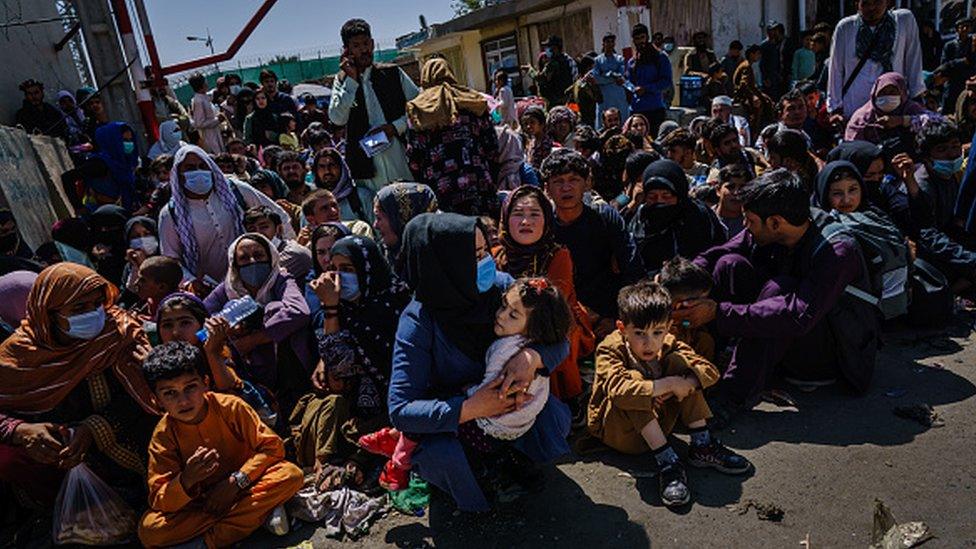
(73, 389)
(277, 349)
(141, 234)
(205, 215)
(889, 113)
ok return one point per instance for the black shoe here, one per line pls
(717, 456)
(673, 485)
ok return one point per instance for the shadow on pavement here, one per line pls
(531, 521)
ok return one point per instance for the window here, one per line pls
(502, 53)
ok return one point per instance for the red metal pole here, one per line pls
(226, 55)
(147, 37)
(136, 72)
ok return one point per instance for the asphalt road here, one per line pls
(822, 463)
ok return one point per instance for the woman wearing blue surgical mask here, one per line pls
(440, 349)
(356, 306)
(116, 147)
(73, 390)
(276, 348)
(205, 215)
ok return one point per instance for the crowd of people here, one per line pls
(424, 282)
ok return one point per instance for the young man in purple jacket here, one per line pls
(780, 291)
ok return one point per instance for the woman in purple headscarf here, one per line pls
(889, 114)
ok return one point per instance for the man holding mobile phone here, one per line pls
(368, 98)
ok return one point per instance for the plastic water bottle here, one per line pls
(234, 312)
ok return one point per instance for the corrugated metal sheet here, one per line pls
(681, 18)
(576, 30)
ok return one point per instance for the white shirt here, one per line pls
(390, 164)
(905, 59)
(213, 227)
(507, 107)
(205, 120)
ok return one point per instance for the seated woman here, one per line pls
(887, 185)
(141, 236)
(529, 249)
(441, 342)
(276, 355)
(636, 129)
(323, 237)
(108, 231)
(180, 317)
(395, 205)
(330, 172)
(890, 115)
(74, 364)
(669, 223)
(357, 305)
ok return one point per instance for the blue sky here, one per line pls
(291, 26)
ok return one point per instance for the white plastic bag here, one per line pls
(89, 512)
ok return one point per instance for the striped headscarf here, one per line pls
(37, 371)
(189, 250)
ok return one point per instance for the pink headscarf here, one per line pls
(864, 124)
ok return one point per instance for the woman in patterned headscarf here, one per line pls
(529, 249)
(361, 304)
(74, 361)
(394, 207)
(561, 125)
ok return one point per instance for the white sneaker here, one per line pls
(277, 522)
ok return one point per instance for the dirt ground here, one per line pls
(823, 463)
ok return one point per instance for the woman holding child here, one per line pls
(440, 349)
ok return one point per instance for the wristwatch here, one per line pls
(242, 480)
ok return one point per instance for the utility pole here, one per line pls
(107, 62)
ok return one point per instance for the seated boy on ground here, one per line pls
(687, 282)
(646, 381)
(158, 277)
(216, 472)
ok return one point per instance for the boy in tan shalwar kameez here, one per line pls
(646, 381)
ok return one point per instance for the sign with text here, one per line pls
(23, 187)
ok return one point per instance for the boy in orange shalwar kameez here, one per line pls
(216, 471)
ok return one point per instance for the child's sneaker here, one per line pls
(277, 522)
(717, 456)
(673, 485)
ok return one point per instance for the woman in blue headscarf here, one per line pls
(117, 148)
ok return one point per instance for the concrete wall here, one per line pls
(29, 53)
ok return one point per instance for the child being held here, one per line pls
(216, 472)
(647, 380)
(687, 283)
(533, 311)
(179, 317)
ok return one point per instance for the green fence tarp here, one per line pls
(295, 71)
